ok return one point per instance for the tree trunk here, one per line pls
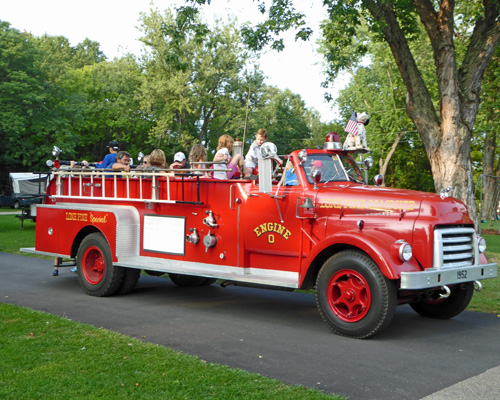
(446, 135)
(491, 177)
(451, 166)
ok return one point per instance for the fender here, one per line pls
(376, 246)
(59, 227)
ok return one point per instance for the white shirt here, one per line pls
(221, 174)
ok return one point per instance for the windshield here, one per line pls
(333, 168)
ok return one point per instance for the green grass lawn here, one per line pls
(12, 237)
(44, 356)
(47, 356)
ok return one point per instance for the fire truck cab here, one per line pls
(364, 249)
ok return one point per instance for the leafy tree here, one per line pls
(286, 119)
(111, 107)
(197, 84)
(29, 124)
(446, 132)
(392, 137)
(485, 151)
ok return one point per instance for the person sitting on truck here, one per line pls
(158, 162)
(198, 154)
(291, 178)
(122, 162)
(235, 164)
(179, 161)
(145, 162)
(315, 166)
(253, 155)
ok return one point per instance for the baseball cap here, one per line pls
(114, 144)
(179, 156)
(318, 163)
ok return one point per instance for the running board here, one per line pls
(251, 275)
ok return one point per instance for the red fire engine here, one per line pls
(364, 249)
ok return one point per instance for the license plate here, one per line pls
(462, 274)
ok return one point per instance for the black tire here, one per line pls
(97, 275)
(450, 307)
(187, 280)
(130, 278)
(17, 205)
(354, 298)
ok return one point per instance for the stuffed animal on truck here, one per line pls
(356, 138)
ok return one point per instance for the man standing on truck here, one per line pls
(110, 158)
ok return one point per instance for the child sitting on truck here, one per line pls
(197, 155)
(253, 155)
(235, 164)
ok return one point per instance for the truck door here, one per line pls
(272, 234)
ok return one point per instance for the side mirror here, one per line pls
(368, 162)
(302, 156)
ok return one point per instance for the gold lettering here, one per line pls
(98, 220)
(269, 227)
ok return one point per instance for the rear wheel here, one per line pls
(17, 205)
(130, 278)
(353, 296)
(450, 307)
(96, 272)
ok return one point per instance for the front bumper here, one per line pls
(439, 277)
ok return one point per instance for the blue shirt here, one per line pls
(108, 161)
(291, 178)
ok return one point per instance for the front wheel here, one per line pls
(438, 308)
(353, 296)
(96, 272)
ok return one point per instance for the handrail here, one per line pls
(99, 179)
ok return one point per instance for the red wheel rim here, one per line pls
(348, 295)
(93, 265)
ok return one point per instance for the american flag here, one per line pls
(352, 125)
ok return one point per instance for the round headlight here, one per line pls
(405, 252)
(481, 244)
(268, 150)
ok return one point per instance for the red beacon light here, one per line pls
(332, 142)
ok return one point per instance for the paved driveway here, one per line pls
(278, 334)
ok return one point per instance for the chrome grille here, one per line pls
(454, 247)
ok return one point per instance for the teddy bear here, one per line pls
(356, 139)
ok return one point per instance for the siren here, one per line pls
(332, 142)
